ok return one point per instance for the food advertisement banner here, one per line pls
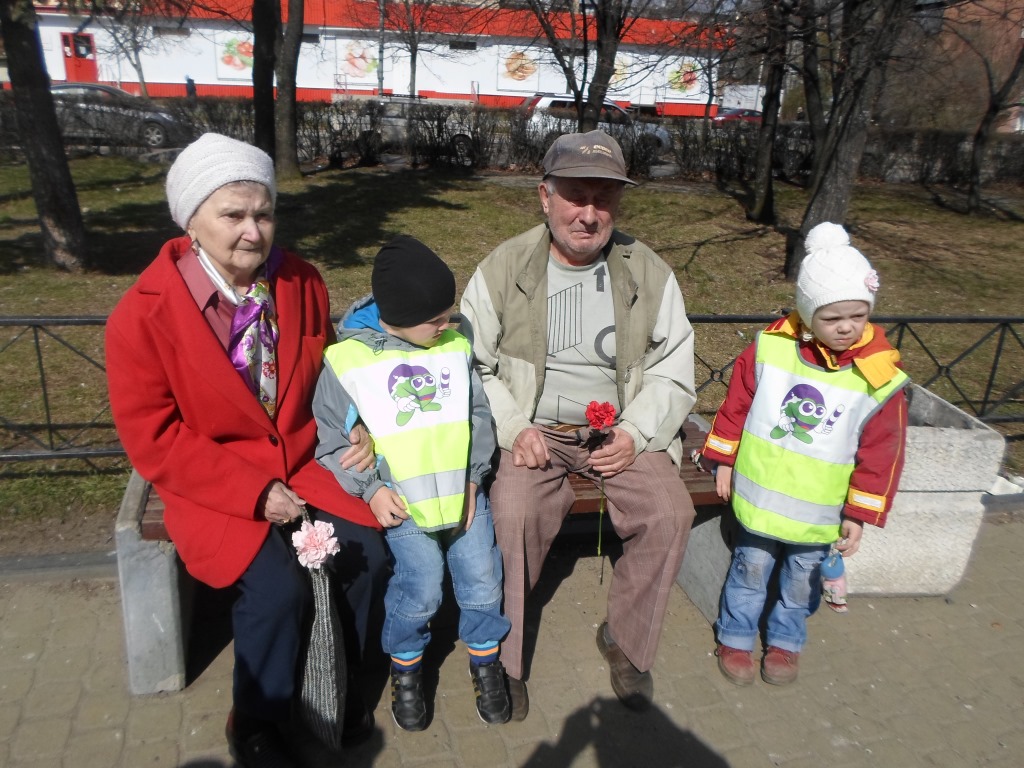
(234, 52)
(357, 62)
(518, 69)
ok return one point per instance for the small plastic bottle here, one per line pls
(833, 581)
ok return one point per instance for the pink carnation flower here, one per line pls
(314, 542)
(871, 280)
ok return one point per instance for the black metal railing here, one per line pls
(53, 402)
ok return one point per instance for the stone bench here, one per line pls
(156, 593)
(952, 460)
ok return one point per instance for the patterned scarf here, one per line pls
(252, 345)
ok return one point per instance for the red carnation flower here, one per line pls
(600, 415)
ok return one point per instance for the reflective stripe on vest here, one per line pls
(799, 443)
(415, 403)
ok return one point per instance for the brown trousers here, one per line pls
(651, 511)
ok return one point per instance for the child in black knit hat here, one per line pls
(409, 377)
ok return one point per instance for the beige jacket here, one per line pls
(506, 303)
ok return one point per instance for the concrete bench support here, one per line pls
(155, 625)
(952, 461)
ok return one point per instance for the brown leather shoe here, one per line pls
(736, 665)
(779, 667)
(520, 698)
(634, 688)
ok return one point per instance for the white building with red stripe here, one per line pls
(497, 59)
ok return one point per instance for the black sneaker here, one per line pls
(492, 700)
(408, 704)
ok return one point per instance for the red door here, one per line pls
(79, 57)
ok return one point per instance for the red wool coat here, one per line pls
(192, 427)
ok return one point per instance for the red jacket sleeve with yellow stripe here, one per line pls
(878, 463)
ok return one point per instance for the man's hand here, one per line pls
(388, 508)
(469, 507)
(361, 453)
(723, 481)
(851, 532)
(616, 453)
(530, 449)
(279, 504)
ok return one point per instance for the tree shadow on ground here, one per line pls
(620, 738)
(328, 222)
(331, 221)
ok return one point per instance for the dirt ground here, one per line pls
(56, 536)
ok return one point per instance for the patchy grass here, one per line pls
(932, 259)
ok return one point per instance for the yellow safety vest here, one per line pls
(416, 405)
(799, 443)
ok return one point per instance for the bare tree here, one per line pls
(129, 28)
(777, 19)
(53, 189)
(573, 34)
(866, 33)
(287, 47)
(992, 32)
(266, 29)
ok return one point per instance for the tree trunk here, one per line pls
(53, 189)
(608, 24)
(266, 26)
(871, 30)
(763, 208)
(996, 104)
(285, 122)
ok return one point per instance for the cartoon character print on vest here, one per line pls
(803, 411)
(413, 388)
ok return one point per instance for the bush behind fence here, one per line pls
(460, 134)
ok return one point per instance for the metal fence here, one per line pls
(53, 402)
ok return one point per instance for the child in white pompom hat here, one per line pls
(808, 445)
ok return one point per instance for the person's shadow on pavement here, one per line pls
(620, 738)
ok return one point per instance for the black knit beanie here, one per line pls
(410, 283)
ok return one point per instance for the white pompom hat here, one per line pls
(833, 270)
(206, 165)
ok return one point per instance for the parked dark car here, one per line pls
(107, 115)
(727, 116)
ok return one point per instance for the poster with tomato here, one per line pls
(234, 56)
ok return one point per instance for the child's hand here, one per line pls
(723, 481)
(361, 453)
(388, 508)
(469, 506)
(852, 531)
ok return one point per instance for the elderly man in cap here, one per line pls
(570, 312)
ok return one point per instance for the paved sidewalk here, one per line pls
(901, 682)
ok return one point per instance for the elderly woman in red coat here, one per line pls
(212, 360)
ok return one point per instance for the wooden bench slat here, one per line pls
(700, 485)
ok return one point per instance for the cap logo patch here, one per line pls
(596, 149)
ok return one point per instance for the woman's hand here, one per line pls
(280, 504)
(361, 453)
(388, 508)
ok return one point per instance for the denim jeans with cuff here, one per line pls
(414, 591)
(746, 590)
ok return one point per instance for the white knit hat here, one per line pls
(206, 165)
(832, 271)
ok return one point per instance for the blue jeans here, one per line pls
(414, 592)
(746, 589)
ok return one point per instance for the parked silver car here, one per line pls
(555, 114)
(105, 114)
(387, 123)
